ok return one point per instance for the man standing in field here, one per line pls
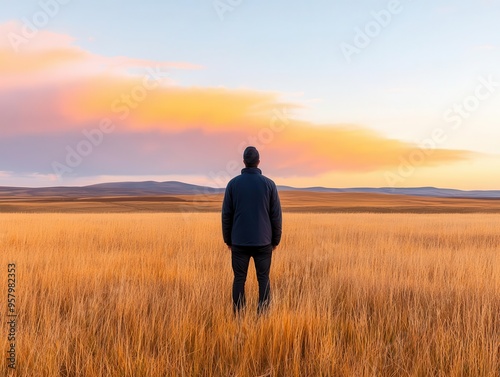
(251, 227)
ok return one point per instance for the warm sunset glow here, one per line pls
(55, 87)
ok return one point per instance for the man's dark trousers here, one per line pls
(240, 257)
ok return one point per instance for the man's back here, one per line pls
(251, 227)
(251, 210)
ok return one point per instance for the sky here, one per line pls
(332, 93)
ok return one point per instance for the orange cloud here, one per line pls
(354, 148)
(34, 62)
(175, 109)
(146, 104)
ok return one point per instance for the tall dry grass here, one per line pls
(353, 295)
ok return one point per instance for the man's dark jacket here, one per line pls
(251, 210)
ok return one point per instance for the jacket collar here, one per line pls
(251, 171)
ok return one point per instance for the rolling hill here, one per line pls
(172, 196)
(151, 188)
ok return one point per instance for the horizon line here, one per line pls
(220, 188)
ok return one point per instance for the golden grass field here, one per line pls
(149, 294)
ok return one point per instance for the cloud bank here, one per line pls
(52, 92)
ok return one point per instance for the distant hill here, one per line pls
(152, 188)
(114, 189)
(413, 191)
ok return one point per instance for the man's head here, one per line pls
(251, 157)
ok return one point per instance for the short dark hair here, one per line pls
(251, 157)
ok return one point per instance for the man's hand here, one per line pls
(274, 247)
(229, 247)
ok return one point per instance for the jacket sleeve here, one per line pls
(227, 216)
(276, 217)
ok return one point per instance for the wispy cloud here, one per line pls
(54, 58)
(486, 47)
